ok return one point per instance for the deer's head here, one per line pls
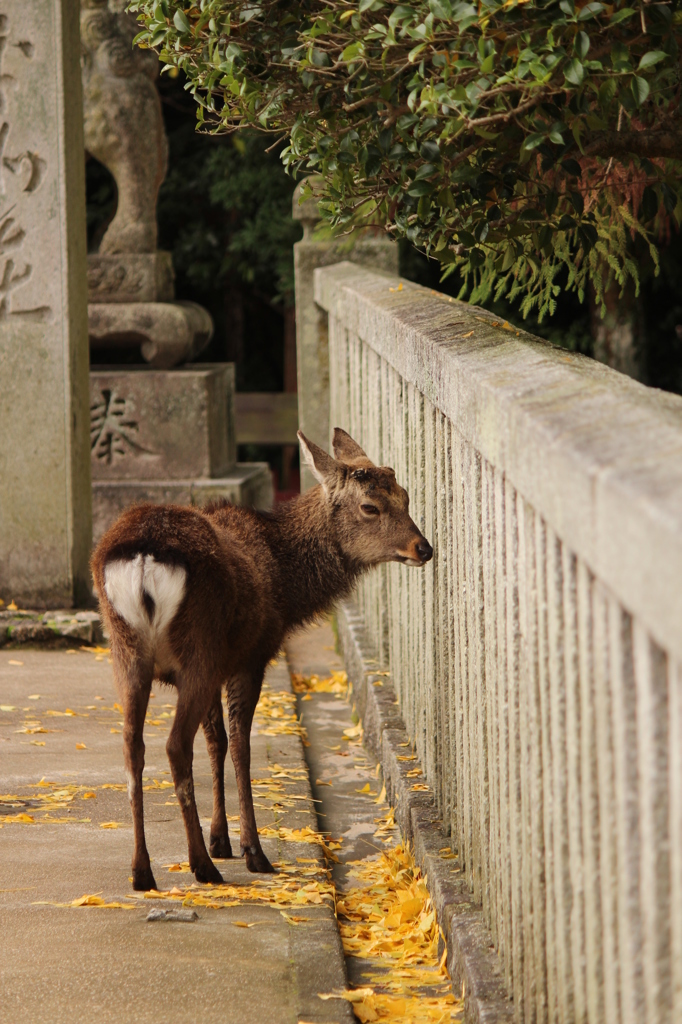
(368, 507)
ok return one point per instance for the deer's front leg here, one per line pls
(242, 699)
(134, 684)
(188, 714)
(216, 742)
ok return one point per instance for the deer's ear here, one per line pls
(345, 448)
(323, 467)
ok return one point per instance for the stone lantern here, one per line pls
(163, 431)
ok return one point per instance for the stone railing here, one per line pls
(538, 658)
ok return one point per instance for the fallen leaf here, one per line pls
(294, 919)
(38, 743)
(365, 789)
(12, 661)
(88, 901)
(245, 924)
(336, 683)
(81, 746)
(32, 696)
(110, 824)
(389, 920)
(7, 707)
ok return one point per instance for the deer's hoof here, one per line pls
(143, 879)
(256, 861)
(219, 846)
(208, 874)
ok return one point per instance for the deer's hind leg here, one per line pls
(133, 677)
(242, 696)
(216, 741)
(190, 712)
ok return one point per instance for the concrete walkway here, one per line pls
(59, 723)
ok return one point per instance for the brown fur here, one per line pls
(252, 577)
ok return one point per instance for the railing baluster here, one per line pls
(652, 686)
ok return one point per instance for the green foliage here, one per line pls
(514, 140)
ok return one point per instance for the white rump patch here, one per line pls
(127, 580)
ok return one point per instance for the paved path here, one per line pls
(68, 964)
(339, 771)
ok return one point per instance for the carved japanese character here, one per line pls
(113, 432)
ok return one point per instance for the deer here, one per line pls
(202, 598)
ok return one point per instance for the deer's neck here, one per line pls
(313, 571)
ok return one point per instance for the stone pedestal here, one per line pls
(167, 436)
(168, 333)
(45, 512)
(130, 304)
(130, 277)
(312, 346)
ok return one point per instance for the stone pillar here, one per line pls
(312, 348)
(45, 512)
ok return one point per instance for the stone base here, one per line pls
(162, 424)
(58, 628)
(249, 483)
(168, 333)
(130, 277)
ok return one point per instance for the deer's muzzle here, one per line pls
(419, 553)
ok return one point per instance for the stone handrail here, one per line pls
(538, 659)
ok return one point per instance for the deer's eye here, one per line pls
(370, 510)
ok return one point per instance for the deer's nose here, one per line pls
(424, 550)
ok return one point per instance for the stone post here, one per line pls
(312, 347)
(45, 513)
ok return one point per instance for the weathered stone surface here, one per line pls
(537, 660)
(130, 277)
(249, 483)
(168, 332)
(312, 348)
(573, 436)
(44, 462)
(162, 425)
(123, 121)
(52, 628)
(472, 962)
